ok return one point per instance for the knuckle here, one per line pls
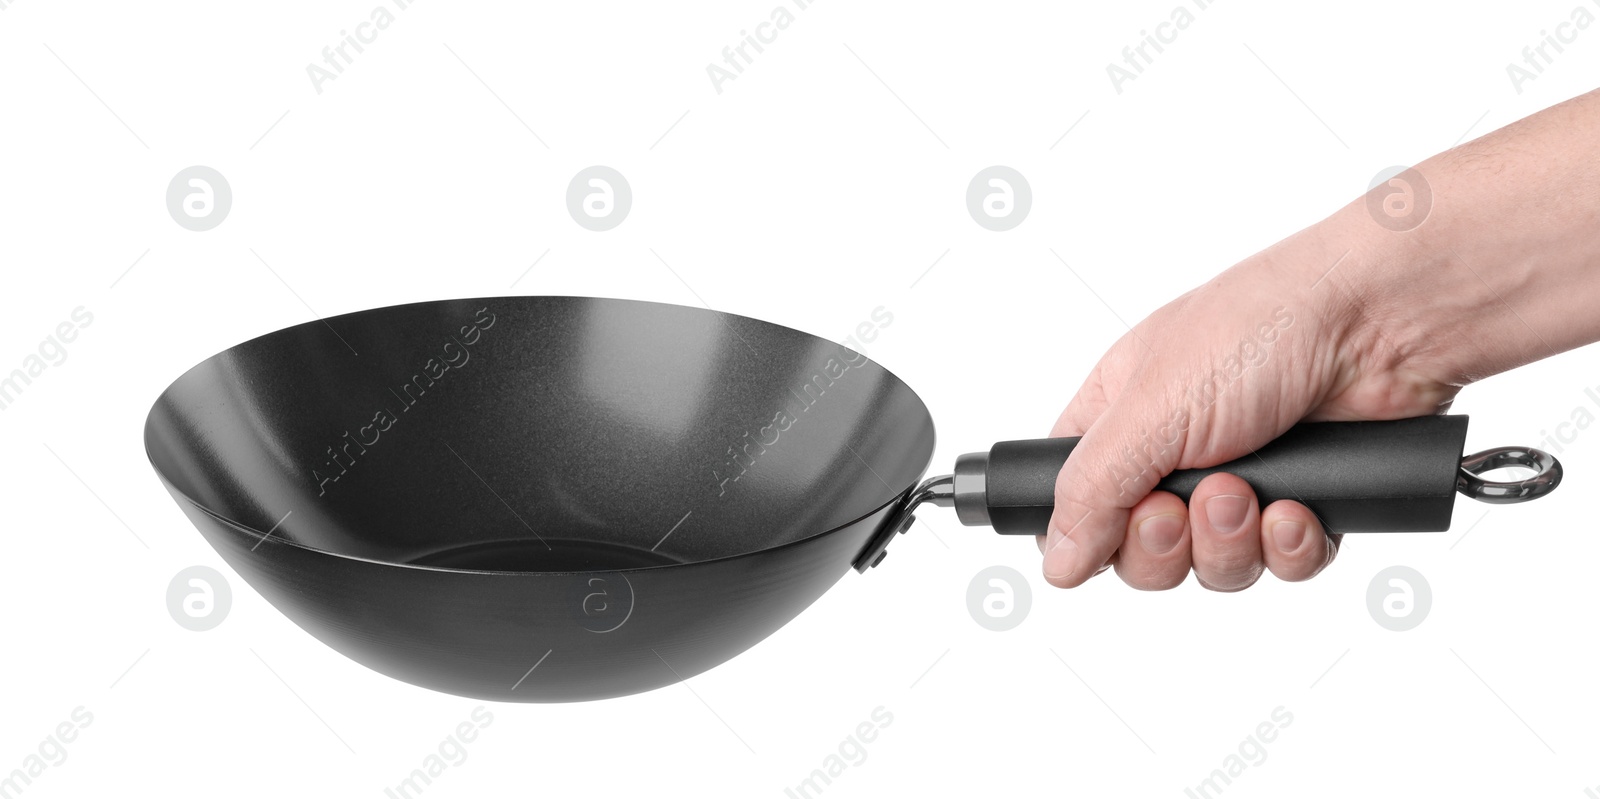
(1230, 579)
(1307, 563)
(1150, 577)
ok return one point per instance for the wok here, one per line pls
(546, 499)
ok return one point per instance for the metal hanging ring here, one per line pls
(1546, 476)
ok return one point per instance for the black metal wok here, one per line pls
(547, 499)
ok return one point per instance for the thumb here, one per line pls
(1122, 456)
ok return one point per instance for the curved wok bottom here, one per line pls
(539, 637)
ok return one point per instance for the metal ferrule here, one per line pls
(970, 489)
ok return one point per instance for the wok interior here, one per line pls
(539, 434)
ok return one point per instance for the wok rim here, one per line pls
(897, 499)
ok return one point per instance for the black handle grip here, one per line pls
(1358, 477)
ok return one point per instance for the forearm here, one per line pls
(1504, 268)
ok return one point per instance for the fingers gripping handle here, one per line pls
(1358, 477)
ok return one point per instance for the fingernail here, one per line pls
(1288, 535)
(1159, 534)
(1062, 559)
(1226, 512)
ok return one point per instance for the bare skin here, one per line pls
(1350, 319)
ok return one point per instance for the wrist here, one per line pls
(1404, 284)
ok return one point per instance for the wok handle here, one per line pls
(1358, 477)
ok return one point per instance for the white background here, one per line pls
(804, 193)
